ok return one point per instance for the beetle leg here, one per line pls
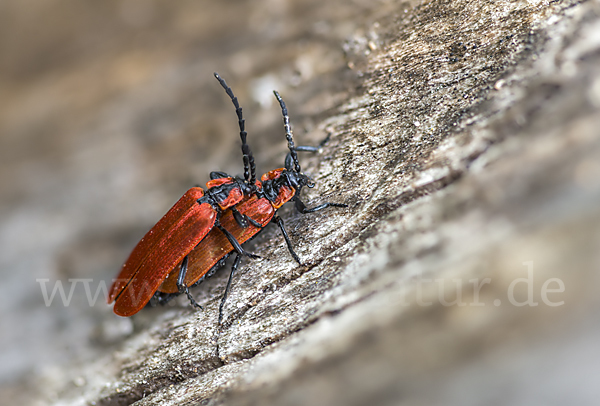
(243, 219)
(301, 207)
(160, 298)
(253, 222)
(183, 288)
(234, 268)
(289, 159)
(217, 175)
(239, 218)
(236, 245)
(307, 148)
(287, 239)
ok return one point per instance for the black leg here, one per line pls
(234, 268)
(161, 298)
(239, 218)
(218, 175)
(243, 219)
(287, 239)
(307, 148)
(236, 245)
(183, 288)
(289, 159)
(301, 207)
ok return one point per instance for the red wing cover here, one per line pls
(161, 249)
(216, 246)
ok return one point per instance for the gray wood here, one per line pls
(464, 137)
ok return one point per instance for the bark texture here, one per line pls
(463, 135)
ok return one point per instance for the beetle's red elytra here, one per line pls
(193, 239)
(215, 246)
(161, 249)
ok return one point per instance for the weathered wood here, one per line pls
(468, 157)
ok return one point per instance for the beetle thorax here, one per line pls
(285, 185)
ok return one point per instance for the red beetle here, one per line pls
(178, 232)
(275, 188)
(170, 241)
(202, 229)
(210, 254)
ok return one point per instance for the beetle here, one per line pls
(179, 231)
(203, 228)
(274, 189)
(164, 247)
(210, 254)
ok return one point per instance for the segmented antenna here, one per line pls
(249, 165)
(288, 132)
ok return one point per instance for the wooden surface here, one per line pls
(463, 135)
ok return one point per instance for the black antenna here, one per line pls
(288, 132)
(249, 165)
